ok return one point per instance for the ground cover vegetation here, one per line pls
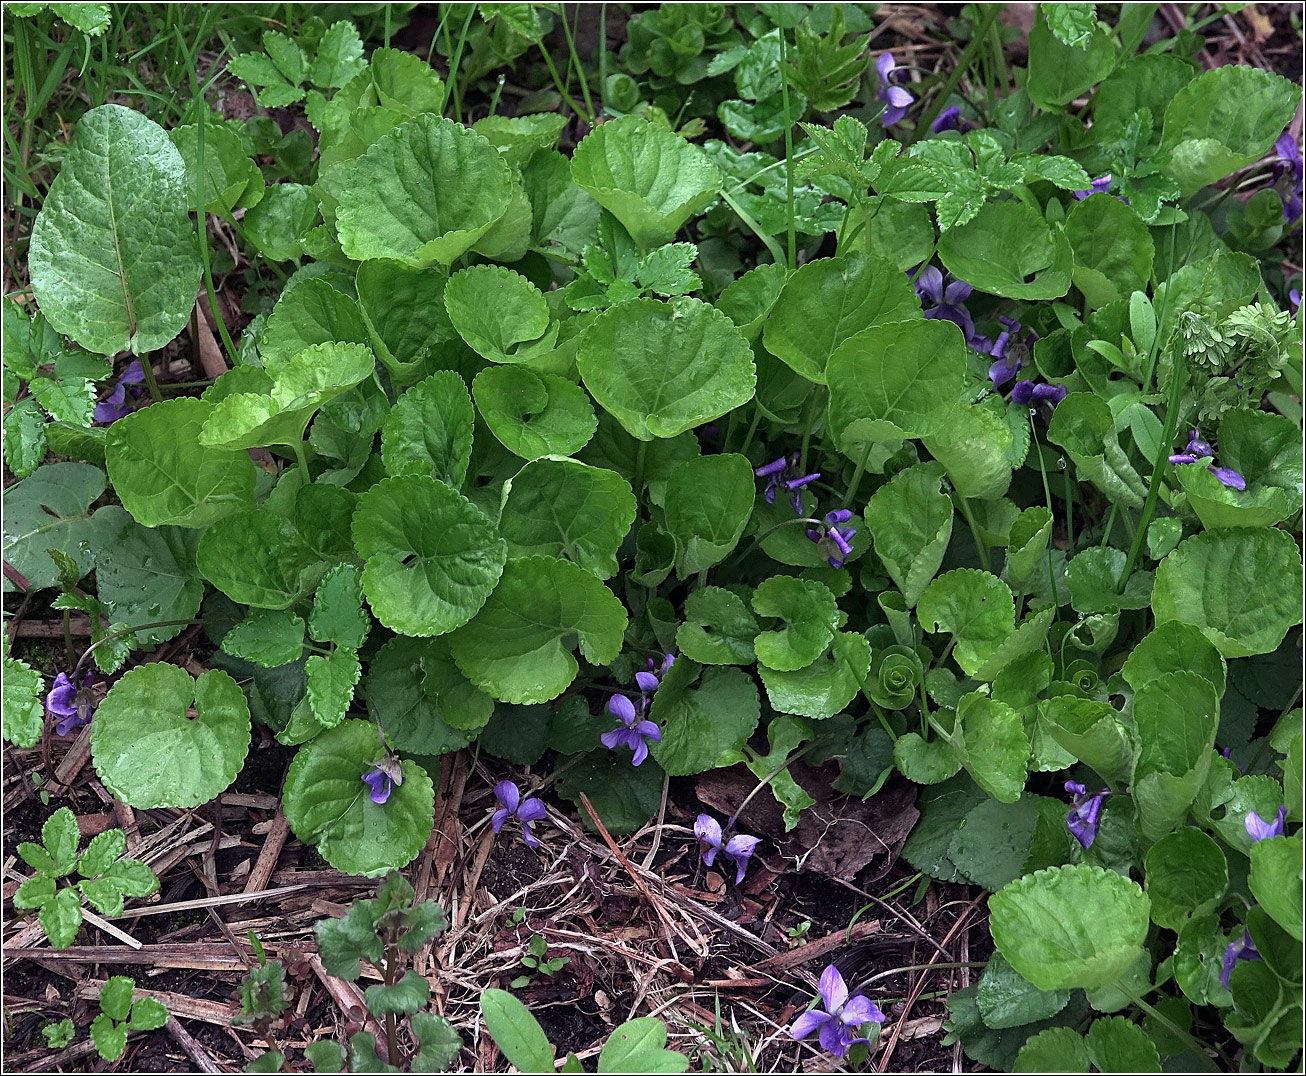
(534, 438)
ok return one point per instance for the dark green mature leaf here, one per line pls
(162, 474)
(1186, 872)
(1276, 881)
(1117, 1045)
(1059, 71)
(231, 179)
(429, 430)
(975, 607)
(431, 556)
(147, 750)
(651, 180)
(327, 802)
(50, 510)
(1173, 646)
(624, 796)
(257, 558)
(564, 508)
(519, 646)
(423, 194)
(708, 503)
(113, 259)
(663, 368)
(831, 299)
(704, 725)
(406, 996)
(1008, 249)
(421, 699)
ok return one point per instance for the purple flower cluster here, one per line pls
(1198, 450)
(737, 849)
(835, 544)
(1289, 163)
(1085, 813)
(68, 702)
(511, 805)
(947, 297)
(896, 99)
(837, 1025)
(1008, 352)
(783, 475)
(115, 406)
(635, 730)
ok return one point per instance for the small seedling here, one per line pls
(798, 934)
(106, 879)
(535, 960)
(59, 1034)
(119, 1015)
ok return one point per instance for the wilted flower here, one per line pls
(1289, 162)
(512, 805)
(835, 544)
(635, 732)
(1085, 813)
(784, 474)
(949, 120)
(1258, 829)
(895, 98)
(114, 406)
(841, 1018)
(947, 300)
(1236, 951)
(384, 777)
(737, 849)
(1099, 186)
(73, 705)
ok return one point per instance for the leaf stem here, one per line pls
(851, 491)
(119, 634)
(752, 429)
(791, 231)
(640, 453)
(981, 546)
(151, 383)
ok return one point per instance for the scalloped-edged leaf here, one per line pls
(708, 503)
(404, 307)
(257, 558)
(910, 521)
(70, 399)
(501, 315)
(338, 615)
(431, 557)
(1008, 249)
(885, 386)
(1092, 575)
(1239, 587)
(718, 628)
(624, 796)
(328, 804)
(113, 259)
(425, 704)
(976, 608)
(823, 688)
(650, 179)
(1173, 646)
(231, 179)
(829, 300)
(422, 194)
(663, 368)
(429, 430)
(149, 752)
(24, 703)
(267, 637)
(519, 646)
(50, 509)
(162, 474)
(563, 508)
(993, 745)
(331, 681)
(534, 414)
(810, 619)
(703, 726)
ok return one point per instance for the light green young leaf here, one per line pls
(993, 745)
(1173, 646)
(708, 503)
(24, 703)
(1112, 247)
(519, 138)
(148, 1014)
(101, 852)
(338, 615)
(278, 223)
(231, 179)
(331, 682)
(313, 312)
(823, 688)
(563, 508)
(704, 725)
(1092, 576)
(518, 647)
(532, 414)
(502, 315)
(1115, 1044)
(70, 399)
(910, 521)
(1276, 881)
(428, 432)
(431, 556)
(339, 56)
(831, 299)
(50, 509)
(1093, 732)
(1185, 871)
(975, 448)
(404, 310)
(1008, 249)
(638, 1046)
(116, 997)
(423, 194)
(663, 368)
(113, 259)
(60, 836)
(24, 437)
(1176, 717)
(976, 608)
(257, 558)
(651, 180)
(267, 638)
(162, 474)
(516, 1032)
(147, 750)
(327, 803)
(110, 1039)
(718, 628)
(406, 996)
(1083, 426)
(810, 615)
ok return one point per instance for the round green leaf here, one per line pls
(429, 430)
(927, 762)
(532, 414)
(644, 175)
(51, 510)
(1092, 575)
(423, 702)
(1240, 587)
(704, 726)
(431, 557)
(663, 368)
(910, 522)
(502, 315)
(1174, 647)
(718, 628)
(1006, 999)
(313, 311)
(823, 688)
(1008, 249)
(149, 752)
(113, 260)
(1112, 247)
(424, 193)
(885, 386)
(1185, 870)
(1115, 1044)
(708, 502)
(810, 615)
(257, 558)
(519, 646)
(975, 448)
(162, 474)
(328, 804)
(975, 607)
(994, 745)
(831, 299)
(1067, 927)
(563, 508)
(1058, 1049)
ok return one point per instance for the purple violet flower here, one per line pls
(74, 706)
(1236, 951)
(835, 544)
(1294, 297)
(1198, 450)
(1289, 162)
(385, 776)
(783, 474)
(1027, 392)
(947, 300)
(949, 120)
(114, 406)
(1085, 813)
(1258, 829)
(842, 1017)
(738, 848)
(1099, 186)
(511, 805)
(895, 98)
(635, 732)
(1229, 477)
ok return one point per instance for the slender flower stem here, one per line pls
(302, 460)
(640, 453)
(391, 1041)
(767, 241)
(813, 409)
(575, 60)
(760, 538)
(119, 634)
(151, 383)
(981, 546)
(752, 429)
(851, 491)
(730, 822)
(791, 231)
